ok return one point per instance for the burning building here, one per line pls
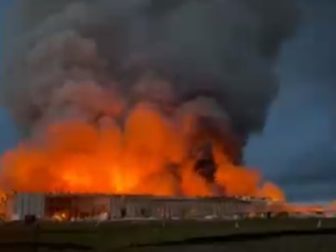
(125, 98)
(78, 207)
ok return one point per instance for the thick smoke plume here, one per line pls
(142, 86)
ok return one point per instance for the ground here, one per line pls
(249, 235)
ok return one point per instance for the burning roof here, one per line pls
(117, 95)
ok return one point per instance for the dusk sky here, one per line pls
(297, 148)
(8, 134)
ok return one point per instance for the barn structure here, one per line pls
(72, 207)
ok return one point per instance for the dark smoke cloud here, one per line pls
(95, 58)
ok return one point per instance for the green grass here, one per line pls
(111, 235)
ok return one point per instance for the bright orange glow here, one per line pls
(149, 154)
(60, 216)
(272, 191)
(304, 209)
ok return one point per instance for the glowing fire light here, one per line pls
(60, 216)
(76, 156)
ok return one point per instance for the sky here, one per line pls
(8, 134)
(297, 147)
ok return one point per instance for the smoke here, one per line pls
(211, 63)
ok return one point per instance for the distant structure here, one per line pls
(76, 207)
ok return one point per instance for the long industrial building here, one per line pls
(72, 207)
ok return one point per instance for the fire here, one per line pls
(60, 216)
(121, 101)
(149, 154)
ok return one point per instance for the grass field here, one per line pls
(247, 235)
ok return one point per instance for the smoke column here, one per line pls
(180, 74)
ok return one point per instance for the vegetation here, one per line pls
(130, 234)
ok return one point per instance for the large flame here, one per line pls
(149, 154)
(120, 96)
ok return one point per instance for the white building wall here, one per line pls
(23, 204)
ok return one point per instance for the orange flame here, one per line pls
(80, 157)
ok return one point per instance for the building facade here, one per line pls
(74, 207)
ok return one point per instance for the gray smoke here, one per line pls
(96, 58)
